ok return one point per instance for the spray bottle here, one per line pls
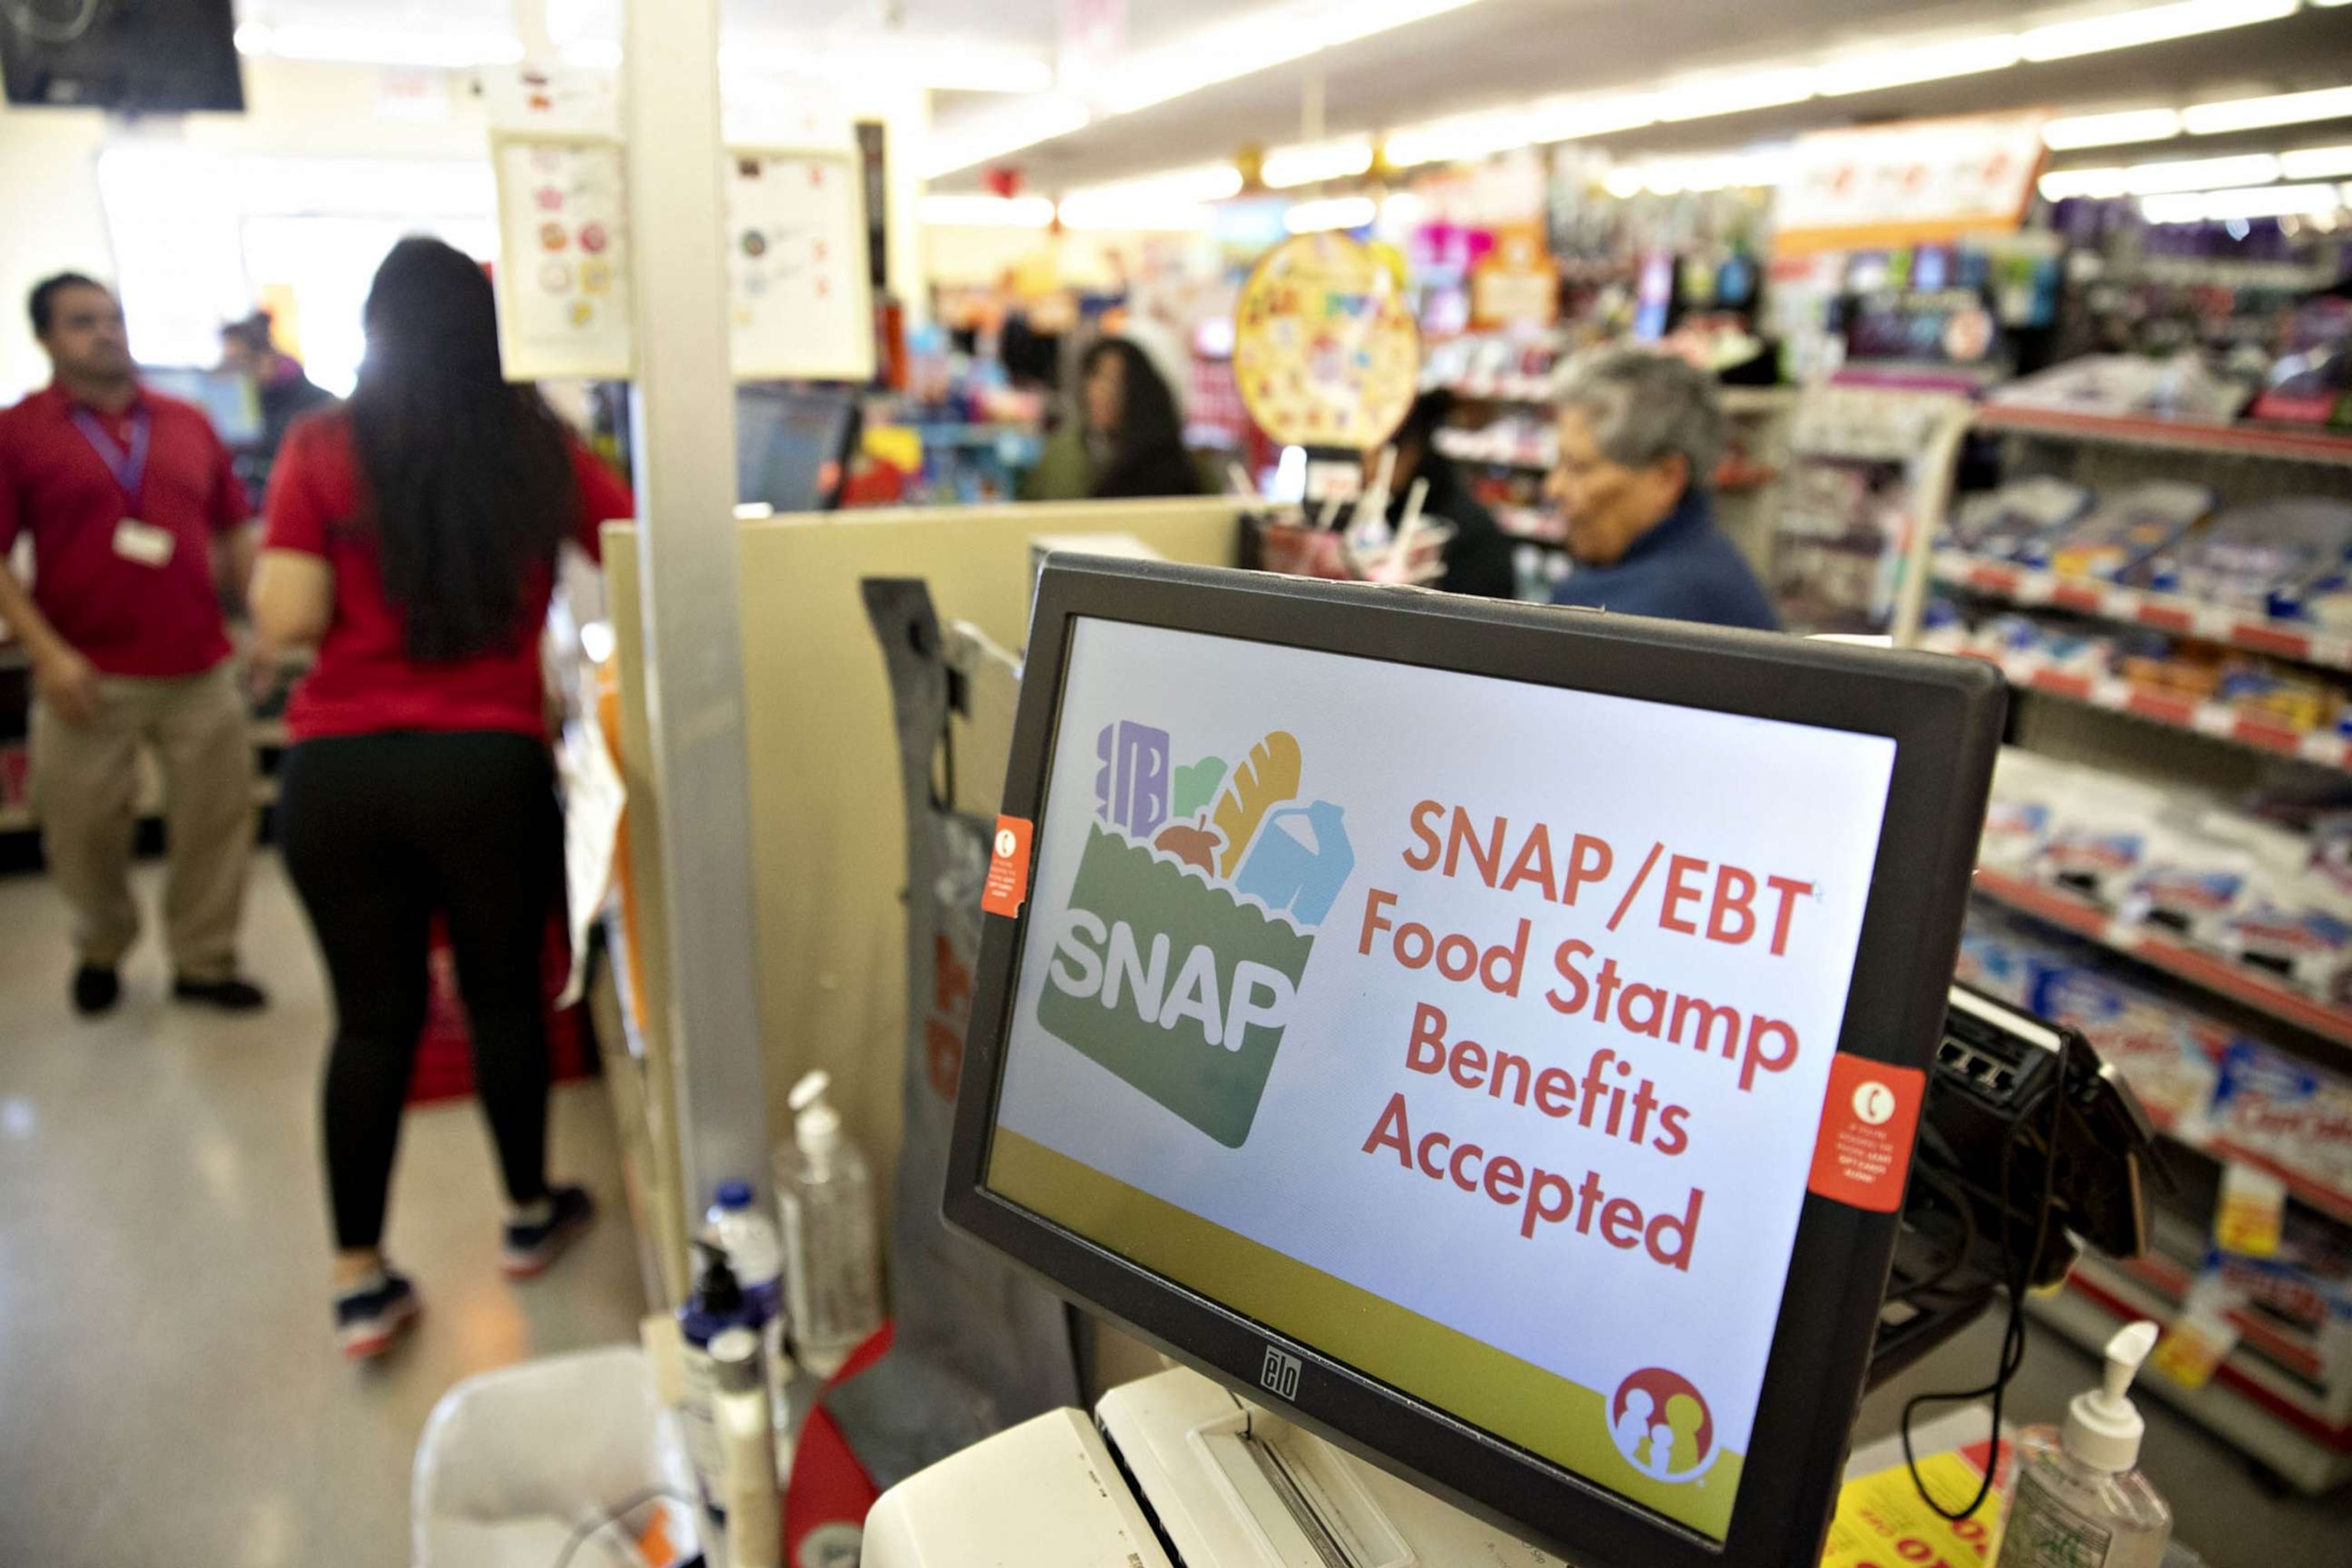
(2081, 1502)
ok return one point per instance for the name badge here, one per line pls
(143, 543)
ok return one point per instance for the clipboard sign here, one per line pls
(803, 300)
(563, 278)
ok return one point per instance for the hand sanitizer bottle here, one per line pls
(832, 1273)
(2080, 1503)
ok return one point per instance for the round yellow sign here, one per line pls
(1325, 350)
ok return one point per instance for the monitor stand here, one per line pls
(1230, 1485)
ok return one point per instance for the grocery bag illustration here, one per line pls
(1170, 970)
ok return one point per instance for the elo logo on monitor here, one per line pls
(1179, 955)
(1279, 1376)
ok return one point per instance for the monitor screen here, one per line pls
(784, 436)
(227, 398)
(1472, 1033)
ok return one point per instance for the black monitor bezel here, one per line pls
(1944, 716)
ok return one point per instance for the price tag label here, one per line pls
(2192, 1348)
(2251, 1212)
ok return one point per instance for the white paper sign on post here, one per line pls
(563, 267)
(804, 309)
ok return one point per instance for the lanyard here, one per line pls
(127, 466)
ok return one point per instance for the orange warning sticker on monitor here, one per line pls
(1864, 1152)
(1008, 868)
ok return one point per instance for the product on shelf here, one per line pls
(2176, 863)
(2271, 557)
(2015, 521)
(2225, 683)
(2179, 387)
(2167, 1054)
(2290, 1114)
(2127, 528)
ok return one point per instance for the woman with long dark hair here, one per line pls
(1129, 439)
(411, 538)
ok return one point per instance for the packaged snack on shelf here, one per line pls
(2128, 527)
(2002, 957)
(2297, 701)
(2015, 521)
(2100, 831)
(2286, 1112)
(2025, 790)
(2189, 882)
(2296, 927)
(2166, 1052)
(2267, 557)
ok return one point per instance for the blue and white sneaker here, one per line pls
(533, 1245)
(370, 1318)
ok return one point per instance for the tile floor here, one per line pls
(170, 1391)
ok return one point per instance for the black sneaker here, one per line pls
(96, 990)
(230, 996)
(529, 1248)
(369, 1321)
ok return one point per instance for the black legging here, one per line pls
(379, 833)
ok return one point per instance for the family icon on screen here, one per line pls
(1663, 1426)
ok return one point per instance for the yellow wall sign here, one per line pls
(1324, 348)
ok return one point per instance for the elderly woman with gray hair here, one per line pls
(1639, 437)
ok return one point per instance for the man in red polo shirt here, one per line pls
(129, 499)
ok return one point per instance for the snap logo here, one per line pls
(1178, 955)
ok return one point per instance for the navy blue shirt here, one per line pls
(1683, 570)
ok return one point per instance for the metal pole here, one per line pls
(683, 424)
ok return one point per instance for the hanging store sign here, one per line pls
(1923, 182)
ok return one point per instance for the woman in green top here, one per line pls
(1129, 438)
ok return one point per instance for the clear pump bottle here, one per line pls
(2080, 1502)
(832, 1277)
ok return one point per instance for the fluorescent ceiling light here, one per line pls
(1173, 200)
(1024, 122)
(1248, 44)
(945, 68)
(2316, 163)
(2098, 184)
(1459, 140)
(422, 47)
(2262, 201)
(2200, 174)
(1624, 181)
(1402, 209)
(2253, 113)
(2153, 24)
(985, 212)
(1287, 167)
(1568, 118)
(1703, 95)
(1338, 212)
(2111, 130)
(1927, 62)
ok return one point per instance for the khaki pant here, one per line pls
(85, 781)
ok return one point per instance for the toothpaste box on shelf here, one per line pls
(2286, 1111)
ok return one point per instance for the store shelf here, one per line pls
(2169, 434)
(2215, 721)
(1532, 389)
(2171, 1280)
(2297, 641)
(1465, 446)
(1531, 525)
(2249, 986)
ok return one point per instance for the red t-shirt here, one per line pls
(122, 601)
(363, 682)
